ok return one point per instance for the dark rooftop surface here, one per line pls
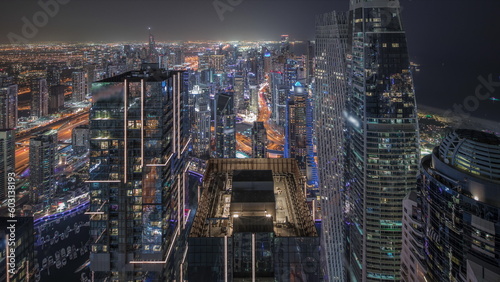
(252, 175)
(253, 224)
(250, 196)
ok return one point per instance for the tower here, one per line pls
(225, 135)
(8, 106)
(138, 149)
(43, 150)
(39, 98)
(382, 138)
(329, 105)
(259, 140)
(451, 224)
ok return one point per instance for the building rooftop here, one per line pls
(253, 195)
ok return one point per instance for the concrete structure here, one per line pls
(253, 224)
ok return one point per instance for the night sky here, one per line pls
(454, 41)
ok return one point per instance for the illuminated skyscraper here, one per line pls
(259, 140)
(368, 165)
(153, 55)
(8, 107)
(39, 98)
(138, 149)
(452, 224)
(382, 139)
(43, 150)
(225, 135)
(79, 81)
(295, 127)
(329, 104)
(7, 159)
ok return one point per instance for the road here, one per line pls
(65, 127)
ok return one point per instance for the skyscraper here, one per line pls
(7, 159)
(39, 98)
(56, 98)
(259, 140)
(79, 81)
(452, 224)
(225, 135)
(201, 131)
(295, 127)
(382, 138)
(43, 149)
(138, 146)
(8, 107)
(364, 81)
(329, 104)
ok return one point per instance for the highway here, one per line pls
(64, 125)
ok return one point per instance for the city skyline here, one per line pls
(231, 140)
(453, 53)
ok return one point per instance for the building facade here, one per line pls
(329, 105)
(43, 161)
(259, 140)
(382, 139)
(39, 98)
(452, 230)
(225, 134)
(8, 106)
(138, 149)
(7, 159)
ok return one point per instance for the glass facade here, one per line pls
(460, 210)
(137, 150)
(382, 138)
(329, 105)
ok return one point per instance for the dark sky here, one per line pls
(454, 41)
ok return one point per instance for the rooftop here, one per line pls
(253, 195)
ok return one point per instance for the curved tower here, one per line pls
(459, 203)
(382, 139)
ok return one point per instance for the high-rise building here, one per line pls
(201, 130)
(43, 150)
(382, 139)
(329, 105)
(79, 81)
(138, 150)
(7, 159)
(153, 55)
(451, 225)
(295, 127)
(252, 224)
(56, 98)
(225, 122)
(53, 75)
(8, 107)
(217, 63)
(259, 140)
(39, 98)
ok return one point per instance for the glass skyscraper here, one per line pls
(329, 104)
(382, 139)
(452, 223)
(138, 146)
(367, 134)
